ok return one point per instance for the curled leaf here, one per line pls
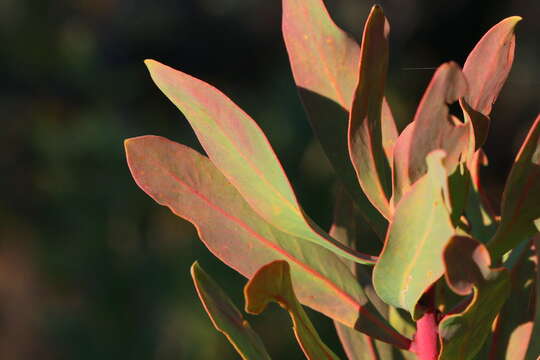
(432, 128)
(366, 146)
(273, 283)
(467, 264)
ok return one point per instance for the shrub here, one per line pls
(453, 279)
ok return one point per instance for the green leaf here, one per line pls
(514, 324)
(520, 204)
(467, 263)
(478, 210)
(365, 122)
(194, 189)
(433, 128)
(241, 151)
(486, 70)
(272, 283)
(226, 317)
(324, 61)
(411, 259)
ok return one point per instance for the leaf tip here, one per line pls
(194, 269)
(513, 19)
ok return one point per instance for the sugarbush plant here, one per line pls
(453, 280)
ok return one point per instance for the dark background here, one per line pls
(92, 268)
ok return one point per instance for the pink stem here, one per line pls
(426, 340)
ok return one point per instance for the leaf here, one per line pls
(467, 263)
(513, 328)
(520, 205)
(365, 122)
(346, 229)
(478, 210)
(324, 62)
(486, 70)
(411, 259)
(226, 317)
(193, 188)
(272, 283)
(432, 128)
(533, 352)
(241, 151)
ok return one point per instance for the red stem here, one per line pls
(426, 339)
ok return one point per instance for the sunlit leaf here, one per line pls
(194, 189)
(467, 263)
(272, 283)
(520, 202)
(241, 151)
(412, 256)
(324, 61)
(486, 70)
(432, 128)
(226, 317)
(365, 122)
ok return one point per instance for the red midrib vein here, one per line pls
(402, 341)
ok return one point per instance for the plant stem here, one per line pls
(425, 343)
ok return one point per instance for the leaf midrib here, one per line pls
(327, 282)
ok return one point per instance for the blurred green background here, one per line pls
(91, 267)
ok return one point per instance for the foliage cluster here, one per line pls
(450, 278)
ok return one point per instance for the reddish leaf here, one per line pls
(193, 188)
(272, 282)
(324, 61)
(520, 204)
(365, 124)
(241, 151)
(432, 128)
(489, 64)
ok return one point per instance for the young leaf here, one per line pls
(241, 151)
(194, 189)
(411, 259)
(324, 61)
(273, 283)
(365, 124)
(486, 70)
(468, 271)
(432, 128)
(226, 317)
(520, 204)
